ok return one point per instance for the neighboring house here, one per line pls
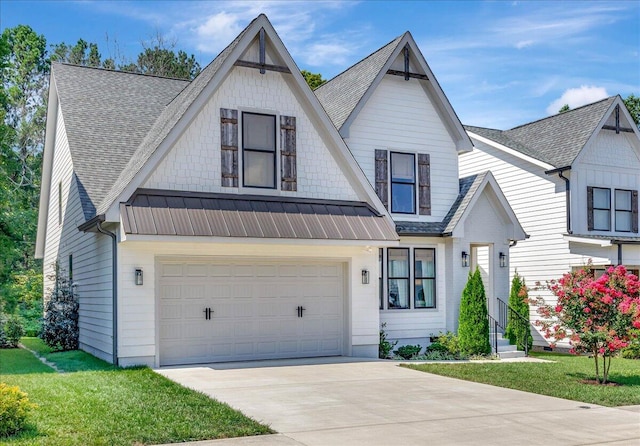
(572, 180)
(226, 218)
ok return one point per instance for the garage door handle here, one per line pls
(301, 310)
(207, 313)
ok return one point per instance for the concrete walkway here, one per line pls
(342, 401)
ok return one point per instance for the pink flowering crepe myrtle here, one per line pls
(598, 316)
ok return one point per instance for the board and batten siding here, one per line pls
(137, 304)
(399, 117)
(91, 253)
(194, 162)
(610, 161)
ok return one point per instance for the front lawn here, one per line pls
(95, 403)
(561, 379)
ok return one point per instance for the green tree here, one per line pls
(473, 322)
(633, 105)
(82, 53)
(313, 79)
(519, 330)
(564, 108)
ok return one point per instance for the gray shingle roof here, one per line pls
(555, 140)
(341, 95)
(468, 188)
(166, 122)
(107, 114)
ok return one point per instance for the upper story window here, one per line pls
(623, 206)
(403, 183)
(258, 150)
(601, 209)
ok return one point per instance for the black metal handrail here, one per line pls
(493, 333)
(506, 314)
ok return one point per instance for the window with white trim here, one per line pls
(258, 150)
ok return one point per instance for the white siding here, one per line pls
(193, 164)
(539, 203)
(400, 117)
(91, 253)
(137, 304)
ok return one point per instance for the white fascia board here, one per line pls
(258, 241)
(47, 166)
(588, 241)
(511, 151)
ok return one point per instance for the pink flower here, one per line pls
(558, 308)
(587, 310)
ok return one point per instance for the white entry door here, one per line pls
(234, 310)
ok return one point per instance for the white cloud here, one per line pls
(217, 31)
(576, 97)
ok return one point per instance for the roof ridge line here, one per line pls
(563, 113)
(110, 70)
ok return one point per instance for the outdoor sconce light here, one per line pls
(138, 276)
(465, 259)
(365, 277)
(503, 260)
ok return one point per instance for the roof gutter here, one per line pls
(96, 222)
(560, 172)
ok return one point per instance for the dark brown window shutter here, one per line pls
(229, 147)
(424, 183)
(288, 153)
(634, 211)
(382, 177)
(589, 208)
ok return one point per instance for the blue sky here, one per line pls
(500, 63)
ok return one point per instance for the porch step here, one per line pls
(506, 350)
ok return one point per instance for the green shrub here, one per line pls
(517, 330)
(632, 351)
(437, 347)
(450, 341)
(14, 408)
(11, 331)
(385, 346)
(408, 351)
(473, 323)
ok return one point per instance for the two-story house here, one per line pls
(227, 219)
(572, 180)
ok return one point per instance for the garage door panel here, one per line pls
(254, 307)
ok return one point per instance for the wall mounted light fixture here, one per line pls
(503, 260)
(138, 276)
(465, 259)
(365, 277)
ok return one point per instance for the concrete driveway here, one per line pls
(343, 401)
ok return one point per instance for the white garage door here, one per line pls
(258, 310)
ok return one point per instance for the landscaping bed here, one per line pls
(93, 402)
(568, 377)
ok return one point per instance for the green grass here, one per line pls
(561, 379)
(104, 405)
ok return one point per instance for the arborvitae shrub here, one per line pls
(473, 323)
(517, 330)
